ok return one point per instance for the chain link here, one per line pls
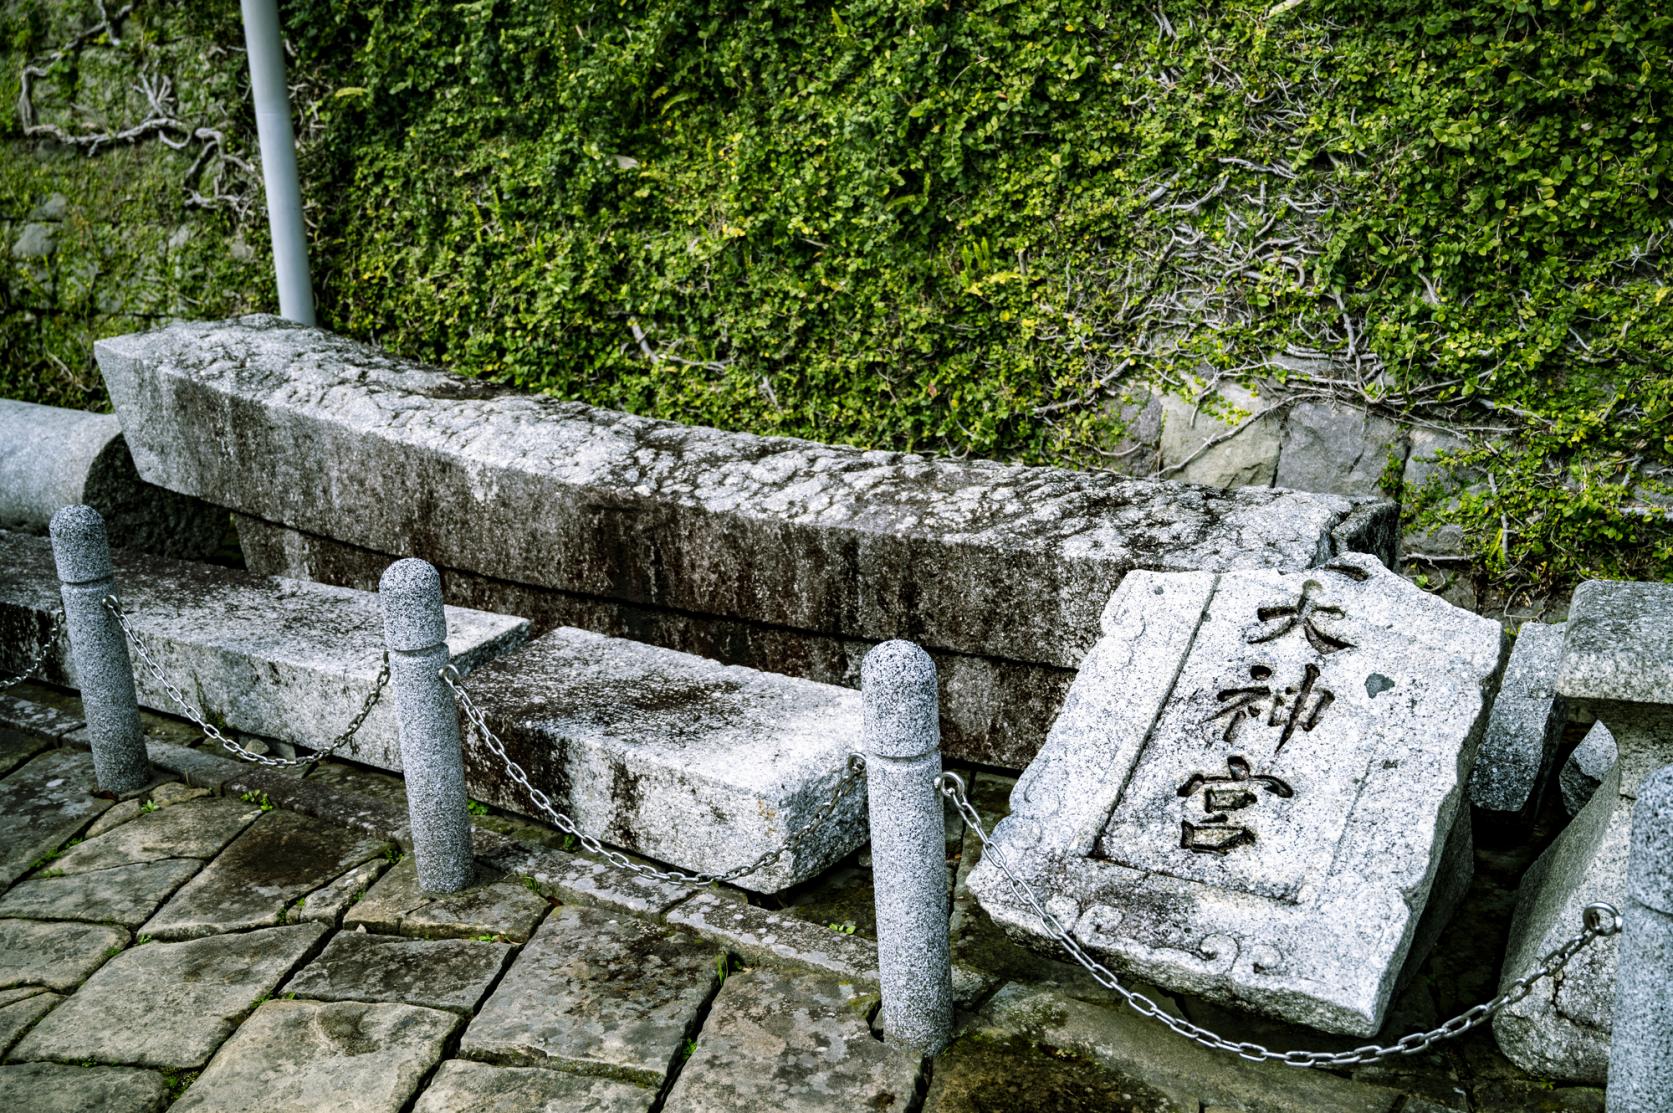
(209, 729)
(854, 774)
(1600, 920)
(41, 651)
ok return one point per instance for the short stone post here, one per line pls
(100, 650)
(1641, 1041)
(415, 633)
(902, 733)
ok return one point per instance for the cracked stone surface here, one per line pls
(1524, 726)
(493, 906)
(54, 1088)
(597, 993)
(19, 1008)
(197, 829)
(762, 936)
(451, 974)
(125, 895)
(302, 1057)
(282, 857)
(57, 956)
(42, 805)
(462, 1085)
(17, 747)
(327, 904)
(168, 1004)
(778, 1040)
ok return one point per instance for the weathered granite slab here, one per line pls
(494, 906)
(327, 904)
(17, 747)
(168, 1004)
(597, 994)
(461, 1085)
(20, 1008)
(764, 936)
(1586, 767)
(1617, 665)
(1250, 789)
(42, 805)
(55, 1088)
(451, 974)
(674, 757)
(1524, 727)
(993, 559)
(125, 895)
(573, 878)
(281, 658)
(51, 458)
(778, 1040)
(57, 956)
(195, 829)
(31, 716)
(302, 1057)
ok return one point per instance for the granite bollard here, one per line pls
(86, 578)
(415, 632)
(908, 844)
(1641, 1045)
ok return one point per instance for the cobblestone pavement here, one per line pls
(234, 938)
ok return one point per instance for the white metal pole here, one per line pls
(278, 159)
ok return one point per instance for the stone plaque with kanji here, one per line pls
(1252, 789)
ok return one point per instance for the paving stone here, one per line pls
(19, 1008)
(272, 657)
(17, 747)
(1586, 767)
(573, 878)
(779, 1040)
(53, 1088)
(1249, 768)
(461, 1086)
(118, 814)
(20, 713)
(449, 974)
(164, 795)
(125, 895)
(57, 956)
(1524, 726)
(169, 1005)
(197, 829)
(327, 904)
(495, 906)
(302, 1057)
(42, 805)
(599, 994)
(376, 783)
(282, 857)
(762, 935)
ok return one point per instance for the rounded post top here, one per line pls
(1650, 858)
(410, 594)
(902, 716)
(80, 547)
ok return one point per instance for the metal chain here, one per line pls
(1600, 920)
(855, 773)
(209, 729)
(41, 652)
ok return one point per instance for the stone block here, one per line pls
(51, 458)
(978, 557)
(38, 718)
(275, 657)
(56, 1088)
(1233, 441)
(19, 1009)
(462, 1085)
(1524, 727)
(42, 805)
(764, 936)
(572, 878)
(56, 956)
(1249, 770)
(124, 895)
(302, 1057)
(1586, 767)
(196, 830)
(494, 906)
(816, 1055)
(17, 747)
(452, 974)
(674, 757)
(1339, 449)
(600, 994)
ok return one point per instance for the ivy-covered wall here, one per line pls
(987, 228)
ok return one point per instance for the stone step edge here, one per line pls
(756, 934)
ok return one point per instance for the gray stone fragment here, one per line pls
(762, 935)
(451, 974)
(1619, 644)
(1205, 818)
(975, 556)
(124, 895)
(461, 1086)
(598, 994)
(194, 830)
(52, 458)
(168, 1005)
(1237, 445)
(677, 758)
(38, 718)
(282, 857)
(302, 1057)
(42, 805)
(269, 656)
(1340, 449)
(1524, 726)
(17, 1013)
(53, 207)
(493, 906)
(572, 878)
(1586, 767)
(17, 747)
(777, 1040)
(36, 241)
(53, 1088)
(1641, 1037)
(327, 903)
(57, 956)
